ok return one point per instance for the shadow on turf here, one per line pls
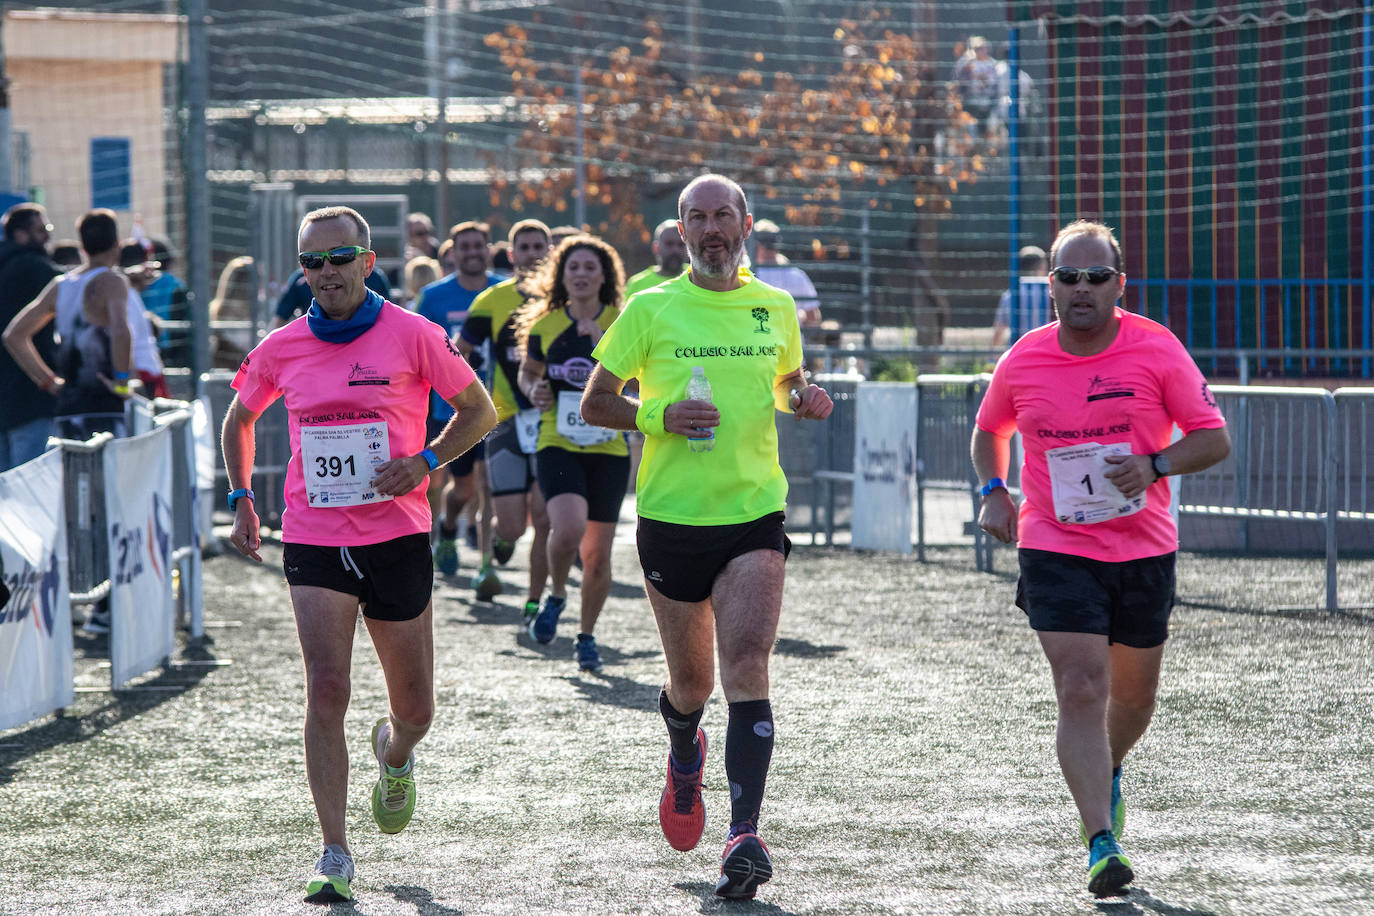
(800, 648)
(1143, 902)
(710, 903)
(421, 899)
(146, 695)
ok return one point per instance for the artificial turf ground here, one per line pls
(914, 769)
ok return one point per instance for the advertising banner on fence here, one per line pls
(138, 475)
(36, 616)
(884, 466)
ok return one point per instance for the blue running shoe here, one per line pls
(1109, 871)
(545, 624)
(588, 659)
(1118, 810)
(446, 556)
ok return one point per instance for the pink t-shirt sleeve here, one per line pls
(997, 414)
(256, 387)
(1187, 398)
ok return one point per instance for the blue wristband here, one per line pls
(431, 459)
(121, 376)
(240, 493)
(995, 483)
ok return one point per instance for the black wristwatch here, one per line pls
(1160, 465)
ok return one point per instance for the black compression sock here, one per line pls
(682, 731)
(748, 751)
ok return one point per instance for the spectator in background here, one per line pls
(448, 261)
(1033, 309)
(66, 253)
(233, 302)
(978, 81)
(26, 411)
(140, 274)
(420, 239)
(558, 233)
(772, 268)
(88, 308)
(420, 272)
(165, 297)
(500, 259)
(670, 257)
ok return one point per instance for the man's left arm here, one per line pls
(792, 394)
(475, 417)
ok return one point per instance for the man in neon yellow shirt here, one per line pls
(710, 533)
(670, 257)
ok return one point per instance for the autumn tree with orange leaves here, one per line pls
(859, 128)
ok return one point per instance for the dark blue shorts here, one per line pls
(392, 580)
(1128, 602)
(683, 561)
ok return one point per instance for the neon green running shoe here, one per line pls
(486, 584)
(1118, 810)
(531, 611)
(1109, 871)
(446, 556)
(393, 796)
(333, 874)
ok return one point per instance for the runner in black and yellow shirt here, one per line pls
(710, 534)
(510, 448)
(582, 469)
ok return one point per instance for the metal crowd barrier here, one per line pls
(832, 448)
(273, 441)
(88, 551)
(84, 485)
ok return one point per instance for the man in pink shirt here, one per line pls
(356, 372)
(1095, 396)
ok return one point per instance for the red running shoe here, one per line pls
(681, 810)
(744, 865)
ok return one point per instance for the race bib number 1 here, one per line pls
(572, 427)
(340, 462)
(1082, 494)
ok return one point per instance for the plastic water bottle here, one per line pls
(699, 389)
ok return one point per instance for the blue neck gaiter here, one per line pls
(341, 332)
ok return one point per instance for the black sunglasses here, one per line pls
(314, 260)
(1096, 275)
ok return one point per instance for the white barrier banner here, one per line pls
(36, 621)
(207, 459)
(138, 513)
(884, 466)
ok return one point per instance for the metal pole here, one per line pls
(1332, 500)
(1367, 170)
(1014, 192)
(441, 211)
(866, 272)
(580, 194)
(197, 188)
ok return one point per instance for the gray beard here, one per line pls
(728, 269)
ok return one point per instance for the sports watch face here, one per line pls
(1160, 464)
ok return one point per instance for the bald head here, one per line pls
(711, 183)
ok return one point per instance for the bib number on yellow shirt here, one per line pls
(1082, 493)
(572, 427)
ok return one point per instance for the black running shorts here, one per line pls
(683, 561)
(598, 478)
(1128, 602)
(392, 580)
(509, 470)
(462, 465)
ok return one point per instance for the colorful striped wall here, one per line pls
(1225, 142)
